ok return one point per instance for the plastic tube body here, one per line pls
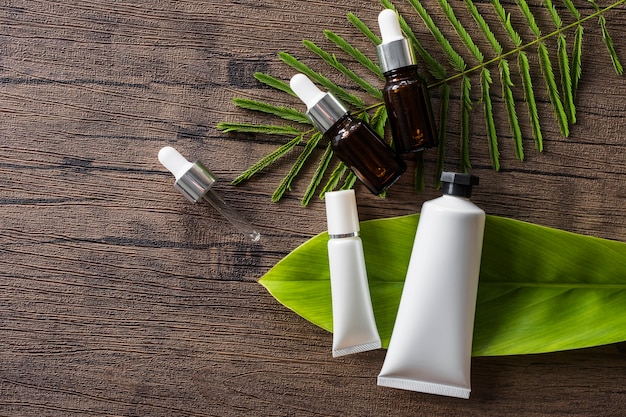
(431, 343)
(354, 325)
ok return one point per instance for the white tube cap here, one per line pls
(341, 213)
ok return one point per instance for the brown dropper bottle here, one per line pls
(405, 93)
(352, 140)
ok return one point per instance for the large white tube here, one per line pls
(354, 325)
(431, 343)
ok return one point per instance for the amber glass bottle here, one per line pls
(410, 114)
(371, 160)
(405, 93)
(352, 140)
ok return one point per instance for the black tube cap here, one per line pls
(457, 184)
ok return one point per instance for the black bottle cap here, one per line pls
(457, 184)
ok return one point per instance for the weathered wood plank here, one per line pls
(118, 297)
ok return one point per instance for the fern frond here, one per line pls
(280, 111)
(334, 62)
(484, 26)
(529, 97)
(273, 82)
(608, 42)
(466, 107)
(363, 28)
(505, 18)
(444, 94)
(432, 65)
(566, 81)
(509, 101)
(572, 9)
(335, 177)
(553, 14)
(564, 65)
(492, 137)
(268, 160)
(461, 31)
(337, 91)
(553, 91)
(350, 181)
(354, 53)
(254, 128)
(379, 120)
(454, 58)
(530, 18)
(317, 176)
(576, 68)
(285, 184)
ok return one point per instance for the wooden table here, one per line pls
(118, 297)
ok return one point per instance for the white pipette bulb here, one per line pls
(171, 159)
(306, 90)
(389, 26)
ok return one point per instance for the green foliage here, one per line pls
(540, 289)
(567, 68)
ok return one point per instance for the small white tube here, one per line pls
(431, 343)
(354, 325)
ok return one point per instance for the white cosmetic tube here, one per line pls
(431, 343)
(354, 325)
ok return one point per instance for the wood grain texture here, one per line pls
(118, 297)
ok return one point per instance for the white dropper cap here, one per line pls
(389, 26)
(171, 159)
(341, 213)
(323, 109)
(394, 52)
(306, 90)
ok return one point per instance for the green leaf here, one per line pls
(280, 111)
(285, 185)
(339, 92)
(336, 176)
(252, 128)
(540, 289)
(354, 53)
(317, 176)
(492, 137)
(334, 62)
(529, 96)
(576, 63)
(363, 28)
(509, 101)
(566, 81)
(268, 159)
(608, 42)
(273, 82)
(553, 91)
(454, 58)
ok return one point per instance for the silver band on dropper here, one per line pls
(395, 54)
(195, 183)
(326, 112)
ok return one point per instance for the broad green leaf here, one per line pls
(540, 289)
